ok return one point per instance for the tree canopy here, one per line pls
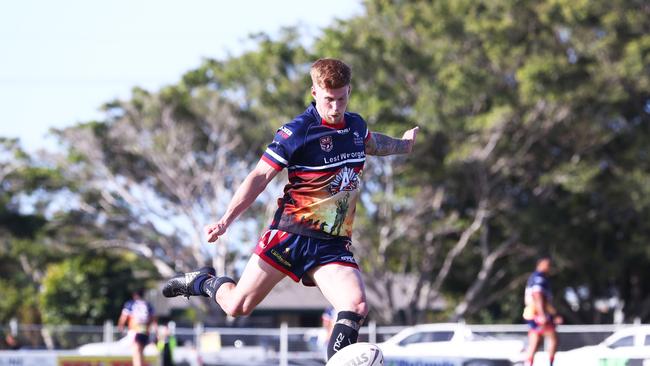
(535, 130)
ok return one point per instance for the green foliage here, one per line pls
(89, 288)
(542, 110)
(535, 112)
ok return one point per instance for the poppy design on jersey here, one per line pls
(346, 180)
(326, 143)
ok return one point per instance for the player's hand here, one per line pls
(214, 231)
(558, 319)
(410, 136)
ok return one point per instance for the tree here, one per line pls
(534, 120)
(91, 287)
(162, 165)
(22, 256)
(526, 104)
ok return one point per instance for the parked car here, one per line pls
(449, 344)
(628, 346)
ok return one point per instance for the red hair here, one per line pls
(330, 73)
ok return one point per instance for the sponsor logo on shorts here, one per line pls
(280, 258)
(348, 258)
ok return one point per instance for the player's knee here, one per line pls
(237, 307)
(234, 310)
(361, 308)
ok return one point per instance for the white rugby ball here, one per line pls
(358, 354)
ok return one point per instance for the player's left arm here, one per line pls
(381, 145)
(152, 324)
(552, 311)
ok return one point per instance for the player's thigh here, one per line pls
(257, 280)
(551, 334)
(533, 340)
(342, 286)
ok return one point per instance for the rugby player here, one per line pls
(324, 150)
(139, 316)
(539, 312)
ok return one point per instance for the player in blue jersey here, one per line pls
(309, 239)
(539, 312)
(139, 316)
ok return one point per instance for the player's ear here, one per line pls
(349, 89)
(313, 91)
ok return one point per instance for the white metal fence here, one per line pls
(276, 345)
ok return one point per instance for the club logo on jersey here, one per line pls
(285, 132)
(346, 180)
(326, 143)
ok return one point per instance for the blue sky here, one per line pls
(60, 60)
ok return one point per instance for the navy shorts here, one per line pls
(141, 338)
(295, 255)
(534, 326)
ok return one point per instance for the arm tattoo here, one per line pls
(382, 145)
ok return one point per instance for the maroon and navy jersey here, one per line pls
(325, 164)
(140, 313)
(537, 282)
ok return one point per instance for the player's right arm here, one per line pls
(124, 317)
(251, 187)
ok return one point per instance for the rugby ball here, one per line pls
(358, 354)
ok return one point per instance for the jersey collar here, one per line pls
(338, 126)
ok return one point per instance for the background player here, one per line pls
(539, 311)
(138, 314)
(328, 319)
(309, 239)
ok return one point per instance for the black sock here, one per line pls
(345, 331)
(210, 286)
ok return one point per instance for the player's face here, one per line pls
(544, 265)
(331, 103)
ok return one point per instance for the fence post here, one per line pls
(372, 331)
(198, 330)
(13, 326)
(172, 328)
(108, 331)
(284, 344)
